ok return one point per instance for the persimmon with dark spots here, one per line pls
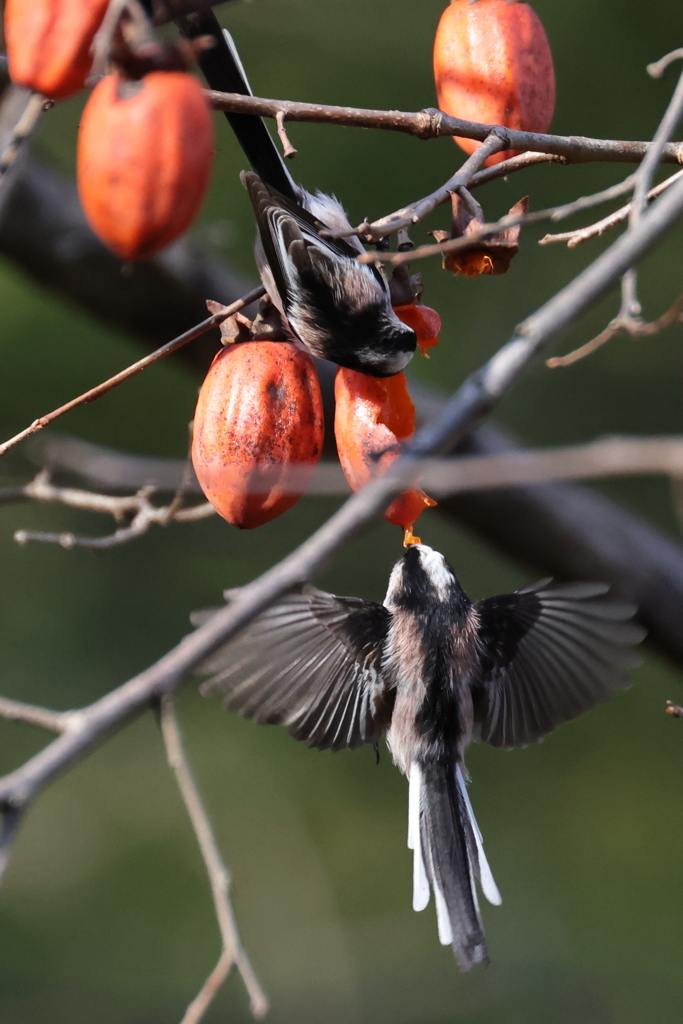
(48, 43)
(493, 65)
(424, 321)
(258, 430)
(372, 417)
(145, 149)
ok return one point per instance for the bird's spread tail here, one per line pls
(448, 858)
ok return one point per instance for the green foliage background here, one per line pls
(105, 915)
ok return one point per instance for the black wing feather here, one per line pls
(311, 662)
(547, 656)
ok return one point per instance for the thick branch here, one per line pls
(431, 124)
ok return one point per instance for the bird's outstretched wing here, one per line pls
(311, 662)
(548, 655)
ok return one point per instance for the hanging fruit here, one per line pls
(144, 157)
(258, 430)
(372, 416)
(491, 255)
(492, 64)
(48, 43)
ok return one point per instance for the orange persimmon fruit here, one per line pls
(144, 158)
(372, 416)
(492, 64)
(48, 43)
(258, 430)
(424, 321)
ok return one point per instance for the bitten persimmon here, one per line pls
(424, 321)
(492, 64)
(258, 430)
(48, 43)
(144, 158)
(372, 416)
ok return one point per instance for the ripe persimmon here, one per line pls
(493, 65)
(372, 416)
(258, 430)
(424, 321)
(145, 149)
(48, 43)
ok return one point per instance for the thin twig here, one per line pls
(574, 238)
(23, 130)
(219, 876)
(139, 506)
(11, 820)
(288, 150)
(431, 123)
(554, 213)
(476, 397)
(134, 368)
(628, 320)
(17, 711)
(657, 69)
(101, 44)
(415, 212)
(637, 329)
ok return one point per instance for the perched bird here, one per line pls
(432, 671)
(339, 309)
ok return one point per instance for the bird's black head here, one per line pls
(423, 580)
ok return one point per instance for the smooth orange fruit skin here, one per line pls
(371, 416)
(258, 430)
(492, 64)
(48, 43)
(144, 159)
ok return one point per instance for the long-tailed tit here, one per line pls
(432, 671)
(338, 308)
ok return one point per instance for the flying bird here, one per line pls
(431, 671)
(337, 308)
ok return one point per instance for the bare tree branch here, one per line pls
(639, 329)
(471, 240)
(17, 711)
(138, 506)
(133, 369)
(26, 107)
(232, 953)
(574, 238)
(613, 456)
(414, 213)
(628, 320)
(11, 820)
(431, 123)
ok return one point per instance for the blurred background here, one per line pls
(106, 913)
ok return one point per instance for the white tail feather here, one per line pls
(236, 57)
(420, 883)
(488, 885)
(443, 921)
